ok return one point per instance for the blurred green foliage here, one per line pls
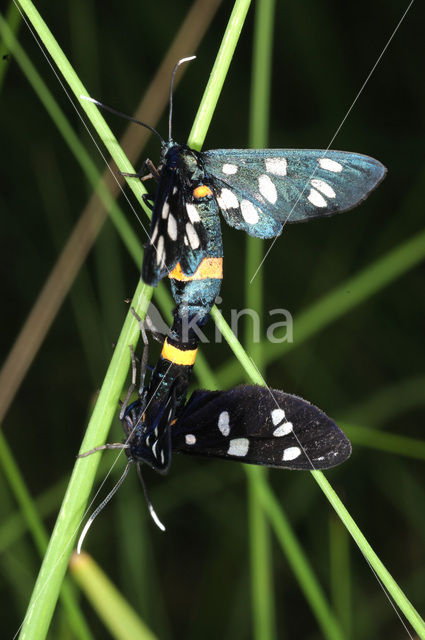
(194, 581)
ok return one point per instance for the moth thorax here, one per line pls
(191, 168)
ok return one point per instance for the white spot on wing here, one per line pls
(172, 227)
(154, 446)
(324, 187)
(223, 423)
(190, 438)
(291, 453)
(162, 456)
(330, 165)
(276, 166)
(192, 213)
(229, 169)
(238, 447)
(249, 212)
(277, 416)
(165, 209)
(316, 198)
(160, 260)
(227, 200)
(192, 236)
(154, 234)
(283, 430)
(174, 191)
(267, 188)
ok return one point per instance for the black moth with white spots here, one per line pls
(250, 424)
(255, 190)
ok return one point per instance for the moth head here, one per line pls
(134, 424)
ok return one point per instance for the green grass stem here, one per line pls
(345, 297)
(384, 441)
(125, 231)
(46, 590)
(64, 127)
(262, 592)
(55, 562)
(218, 74)
(340, 571)
(13, 20)
(78, 89)
(388, 582)
(350, 294)
(298, 562)
(31, 516)
(373, 559)
(121, 620)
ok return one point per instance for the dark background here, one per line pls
(366, 368)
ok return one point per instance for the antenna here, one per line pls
(148, 501)
(122, 115)
(180, 62)
(101, 506)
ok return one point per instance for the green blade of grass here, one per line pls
(388, 403)
(79, 90)
(53, 569)
(252, 372)
(76, 147)
(218, 74)
(340, 573)
(13, 20)
(262, 594)
(390, 585)
(121, 619)
(45, 592)
(342, 299)
(129, 238)
(384, 441)
(375, 563)
(11, 471)
(299, 563)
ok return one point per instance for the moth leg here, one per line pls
(113, 445)
(132, 385)
(153, 171)
(149, 326)
(147, 165)
(145, 356)
(148, 200)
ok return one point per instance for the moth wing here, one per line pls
(260, 426)
(157, 441)
(260, 190)
(194, 234)
(167, 231)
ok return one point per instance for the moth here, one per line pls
(256, 190)
(249, 423)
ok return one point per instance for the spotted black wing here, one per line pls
(260, 190)
(166, 235)
(195, 239)
(148, 433)
(260, 426)
(176, 233)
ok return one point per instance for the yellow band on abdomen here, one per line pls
(178, 356)
(208, 268)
